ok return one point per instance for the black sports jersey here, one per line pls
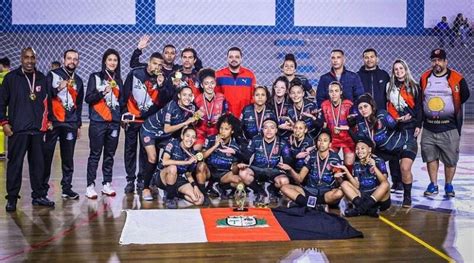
(218, 160)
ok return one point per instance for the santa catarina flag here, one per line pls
(165, 226)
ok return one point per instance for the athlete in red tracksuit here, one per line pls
(211, 104)
(237, 83)
(335, 112)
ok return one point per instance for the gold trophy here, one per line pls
(240, 197)
(197, 116)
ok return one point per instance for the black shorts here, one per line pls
(180, 181)
(383, 205)
(217, 175)
(266, 174)
(319, 192)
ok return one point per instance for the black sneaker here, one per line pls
(351, 212)
(373, 212)
(140, 186)
(211, 192)
(11, 205)
(222, 192)
(42, 201)
(130, 187)
(70, 195)
(406, 202)
(171, 203)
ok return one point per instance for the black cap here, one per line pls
(438, 53)
(366, 141)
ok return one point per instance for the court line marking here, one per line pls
(418, 240)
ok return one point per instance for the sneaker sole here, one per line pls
(430, 194)
(406, 206)
(92, 197)
(450, 195)
(109, 194)
(67, 197)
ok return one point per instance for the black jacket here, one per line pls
(24, 114)
(375, 83)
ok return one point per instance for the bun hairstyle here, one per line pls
(290, 57)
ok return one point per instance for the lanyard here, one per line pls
(369, 130)
(209, 112)
(31, 85)
(269, 156)
(298, 116)
(257, 121)
(294, 141)
(71, 77)
(280, 111)
(338, 117)
(321, 170)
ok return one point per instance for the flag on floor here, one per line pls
(165, 226)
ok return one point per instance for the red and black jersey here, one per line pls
(65, 106)
(27, 109)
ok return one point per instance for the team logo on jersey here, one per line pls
(169, 146)
(146, 139)
(114, 134)
(69, 136)
(242, 221)
(38, 88)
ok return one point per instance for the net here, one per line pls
(337, 24)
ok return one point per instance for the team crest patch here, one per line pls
(69, 136)
(38, 88)
(147, 139)
(114, 133)
(242, 221)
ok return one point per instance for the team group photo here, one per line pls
(140, 146)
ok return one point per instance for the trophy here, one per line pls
(240, 197)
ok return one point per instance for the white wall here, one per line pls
(73, 12)
(354, 13)
(215, 12)
(435, 9)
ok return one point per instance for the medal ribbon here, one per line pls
(209, 113)
(31, 85)
(338, 117)
(321, 170)
(267, 156)
(257, 121)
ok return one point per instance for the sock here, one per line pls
(148, 171)
(301, 200)
(171, 191)
(407, 190)
(367, 202)
(202, 188)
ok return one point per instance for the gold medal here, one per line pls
(199, 156)
(71, 82)
(178, 75)
(197, 116)
(32, 96)
(112, 83)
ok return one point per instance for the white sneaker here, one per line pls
(90, 192)
(146, 194)
(107, 190)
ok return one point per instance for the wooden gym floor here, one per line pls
(434, 230)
